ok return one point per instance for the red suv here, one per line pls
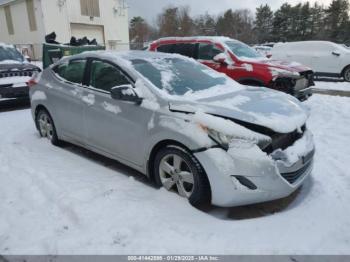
(241, 62)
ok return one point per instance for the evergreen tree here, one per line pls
(337, 20)
(263, 23)
(282, 23)
(205, 25)
(317, 22)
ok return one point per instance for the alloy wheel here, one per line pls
(347, 75)
(45, 126)
(175, 173)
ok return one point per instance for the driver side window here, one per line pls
(105, 76)
(208, 51)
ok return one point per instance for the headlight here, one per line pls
(231, 141)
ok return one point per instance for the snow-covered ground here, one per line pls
(69, 201)
(334, 86)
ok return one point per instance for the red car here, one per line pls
(241, 62)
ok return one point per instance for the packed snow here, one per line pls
(334, 86)
(70, 201)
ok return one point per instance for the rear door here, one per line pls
(115, 127)
(66, 98)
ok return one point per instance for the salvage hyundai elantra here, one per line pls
(190, 129)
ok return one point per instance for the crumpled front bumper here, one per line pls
(303, 94)
(272, 178)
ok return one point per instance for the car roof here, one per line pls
(197, 38)
(126, 55)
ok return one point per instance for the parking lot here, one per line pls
(71, 201)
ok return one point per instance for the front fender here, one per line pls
(180, 130)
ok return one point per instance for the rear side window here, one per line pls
(72, 71)
(105, 76)
(208, 51)
(165, 48)
(185, 49)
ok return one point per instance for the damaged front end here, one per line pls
(296, 84)
(259, 172)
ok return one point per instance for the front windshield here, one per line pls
(8, 53)
(179, 76)
(242, 50)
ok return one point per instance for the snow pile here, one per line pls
(334, 86)
(89, 99)
(298, 150)
(149, 99)
(111, 108)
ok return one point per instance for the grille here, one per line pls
(283, 141)
(309, 75)
(301, 84)
(294, 176)
(16, 73)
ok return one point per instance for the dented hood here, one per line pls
(260, 106)
(289, 66)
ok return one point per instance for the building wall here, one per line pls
(50, 16)
(115, 26)
(22, 35)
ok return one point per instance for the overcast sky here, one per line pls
(150, 8)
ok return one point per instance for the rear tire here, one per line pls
(346, 74)
(178, 170)
(46, 127)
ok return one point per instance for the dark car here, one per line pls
(15, 72)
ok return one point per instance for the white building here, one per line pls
(26, 22)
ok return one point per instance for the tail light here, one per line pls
(32, 82)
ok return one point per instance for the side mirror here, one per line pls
(335, 53)
(125, 93)
(221, 58)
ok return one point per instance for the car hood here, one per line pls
(5, 67)
(259, 106)
(289, 66)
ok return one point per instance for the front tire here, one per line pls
(346, 74)
(178, 170)
(46, 127)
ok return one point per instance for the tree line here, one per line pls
(303, 21)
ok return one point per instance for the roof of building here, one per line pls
(5, 2)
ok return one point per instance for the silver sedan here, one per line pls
(187, 127)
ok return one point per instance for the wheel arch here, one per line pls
(343, 71)
(36, 111)
(155, 150)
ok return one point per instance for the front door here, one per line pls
(113, 126)
(206, 54)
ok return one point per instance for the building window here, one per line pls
(90, 8)
(31, 15)
(9, 21)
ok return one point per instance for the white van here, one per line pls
(325, 58)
